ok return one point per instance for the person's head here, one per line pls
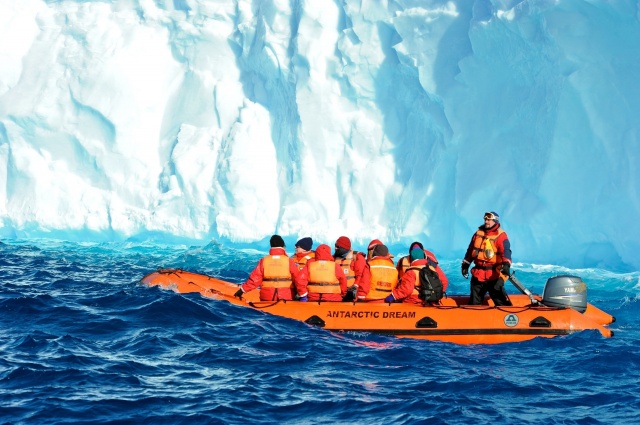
(323, 252)
(371, 246)
(344, 243)
(342, 247)
(380, 251)
(276, 241)
(490, 219)
(415, 244)
(304, 244)
(417, 254)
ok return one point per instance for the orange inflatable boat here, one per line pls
(555, 313)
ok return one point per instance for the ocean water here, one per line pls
(82, 341)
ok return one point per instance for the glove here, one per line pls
(351, 294)
(239, 293)
(304, 299)
(506, 269)
(389, 299)
(465, 269)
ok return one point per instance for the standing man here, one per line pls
(277, 276)
(490, 250)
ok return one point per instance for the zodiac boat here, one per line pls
(561, 310)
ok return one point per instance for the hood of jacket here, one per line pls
(323, 252)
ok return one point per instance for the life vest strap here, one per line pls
(277, 282)
(324, 287)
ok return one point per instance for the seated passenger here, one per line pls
(353, 265)
(303, 252)
(276, 275)
(408, 289)
(326, 280)
(371, 246)
(405, 262)
(381, 274)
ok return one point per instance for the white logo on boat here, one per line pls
(511, 320)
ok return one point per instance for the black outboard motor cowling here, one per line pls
(565, 291)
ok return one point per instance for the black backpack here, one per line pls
(430, 290)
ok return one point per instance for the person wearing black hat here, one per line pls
(381, 275)
(303, 252)
(490, 251)
(277, 276)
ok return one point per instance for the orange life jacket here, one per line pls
(405, 262)
(485, 252)
(345, 265)
(276, 272)
(384, 277)
(417, 286)
(322, 278)
(302, 261)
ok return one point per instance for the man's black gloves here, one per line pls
(239, 293)
(465, 269)
(506, 269)
(351, 294)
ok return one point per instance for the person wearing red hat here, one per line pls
(325, 279)
(303, 252)
(277, 276)
(353, 265)
(490, 251)
(371, 246)
(405, 262)
(381, 273)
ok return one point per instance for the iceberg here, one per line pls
(399, 120)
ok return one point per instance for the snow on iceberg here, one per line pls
(396, 120)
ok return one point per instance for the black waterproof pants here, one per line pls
(480, 289)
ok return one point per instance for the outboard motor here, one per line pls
(565, 291)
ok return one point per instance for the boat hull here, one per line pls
(453, 321)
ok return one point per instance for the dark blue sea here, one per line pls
(82, 341)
